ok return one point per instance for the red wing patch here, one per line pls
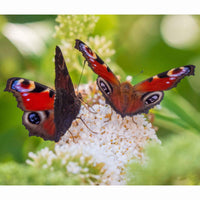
(165, 80)
(96, 63)
(32, 96)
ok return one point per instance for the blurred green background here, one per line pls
(151, 44)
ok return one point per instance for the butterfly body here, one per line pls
(124, 98)
(48, 113)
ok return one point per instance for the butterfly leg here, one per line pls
(86, 125)
(87, 107)
(134, 121)
(109, 116)
(71, 135)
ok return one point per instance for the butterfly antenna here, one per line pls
(82, 101)
(81, 75)
(141, 72)
(87, 106)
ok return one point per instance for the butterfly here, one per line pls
(124, 98)
(48, 113)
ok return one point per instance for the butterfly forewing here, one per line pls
(96, 63)
(165, 80)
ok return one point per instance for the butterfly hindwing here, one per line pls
(37, 102)
(40, 123)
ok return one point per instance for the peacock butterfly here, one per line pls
(47, 113)
(125, 99)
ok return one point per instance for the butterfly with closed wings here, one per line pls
(47, 113)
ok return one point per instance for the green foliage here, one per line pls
(12, 173)
(174, 163)
(178, 114)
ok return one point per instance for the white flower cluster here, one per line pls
(102, 46)
(70, 27)
(107, 142)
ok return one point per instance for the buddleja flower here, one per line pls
(72, 27)
(99, 151)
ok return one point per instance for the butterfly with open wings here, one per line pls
(47, 113)
(124, 98)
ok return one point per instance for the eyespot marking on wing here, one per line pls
(22, 85)
(104, 86)
(152, 98)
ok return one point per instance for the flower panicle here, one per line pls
(71, 27)
(103, 155)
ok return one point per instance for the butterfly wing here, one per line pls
(96, 63)
(149, 92)
(37, 102)
(67, 104)
(124, 98)
(43, 116)
(165, 80)
(107, 82)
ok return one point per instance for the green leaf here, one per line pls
(174, 163)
